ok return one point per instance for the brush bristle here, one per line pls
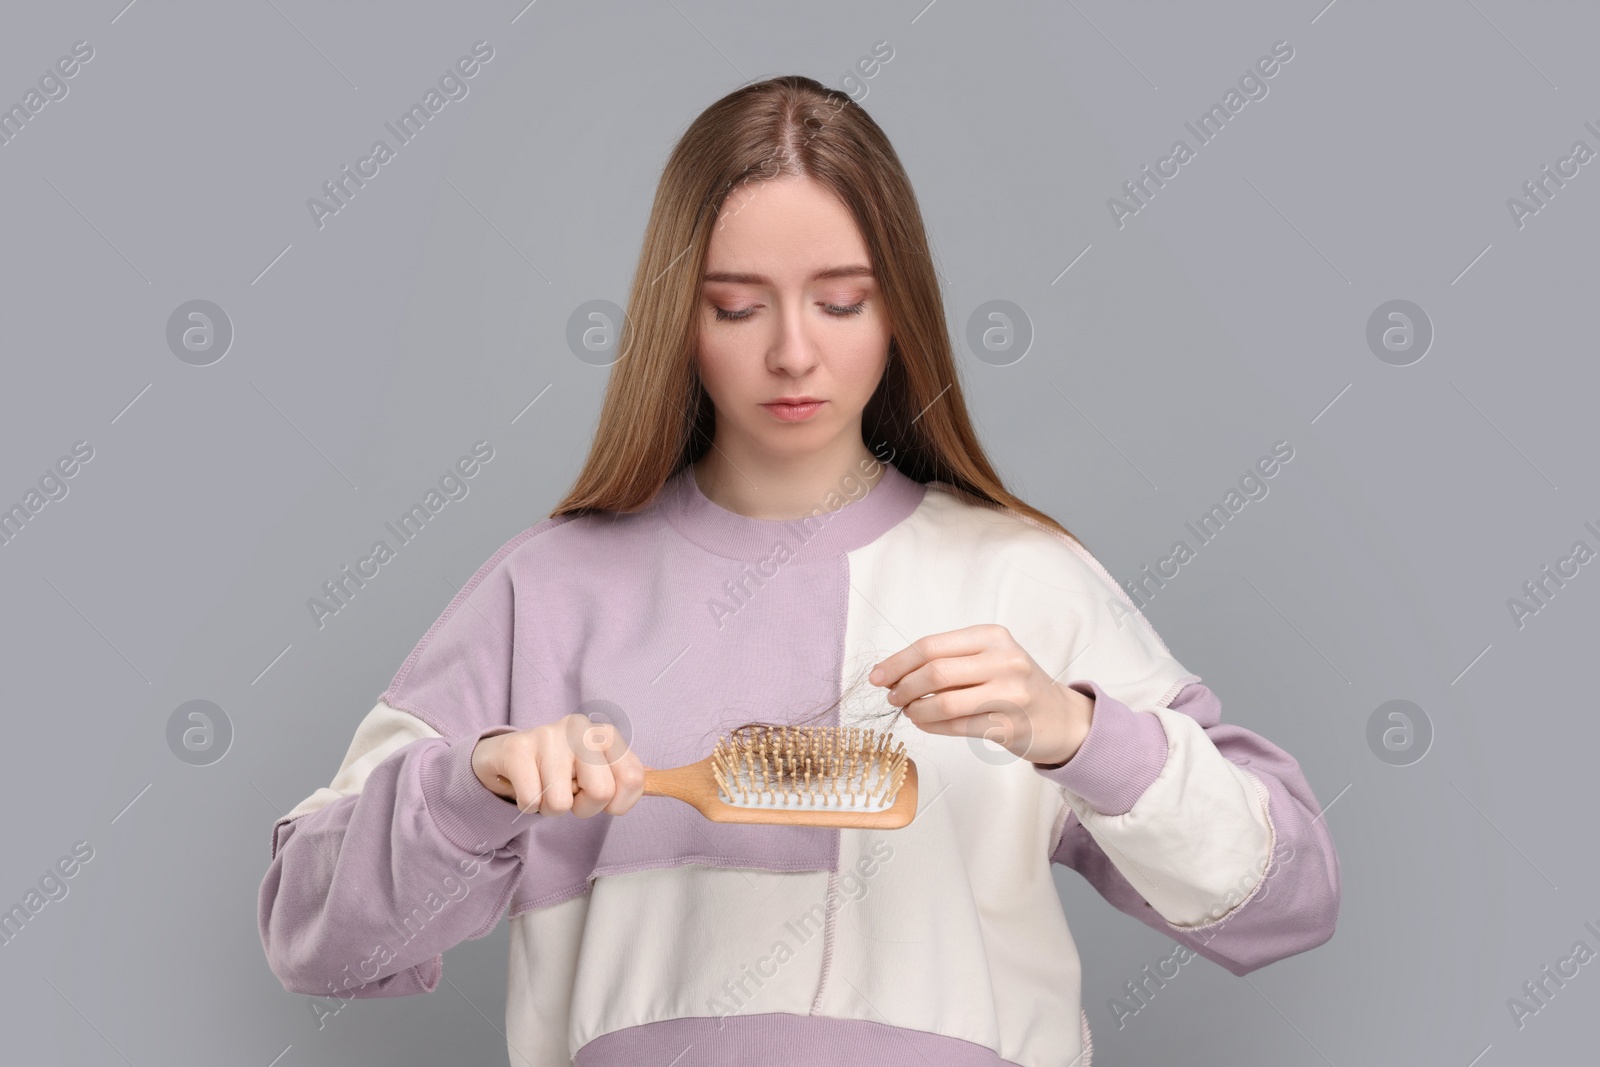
(797, 768)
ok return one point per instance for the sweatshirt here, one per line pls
(655, 934)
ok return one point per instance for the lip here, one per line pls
(794, 408)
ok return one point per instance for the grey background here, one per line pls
(1228, 314)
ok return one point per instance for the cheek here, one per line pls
(719, 362)
(860, 362)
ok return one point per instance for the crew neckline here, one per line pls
(728, 533)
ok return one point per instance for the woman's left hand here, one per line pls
(978, 682)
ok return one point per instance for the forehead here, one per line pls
(785, 228)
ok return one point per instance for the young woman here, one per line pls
(785, 508)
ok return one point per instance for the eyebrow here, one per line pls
(748, 278)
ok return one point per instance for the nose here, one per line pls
(793, 351)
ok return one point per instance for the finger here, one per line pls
(628, 773)
(527, 786)
(946, 672)
(586, 739)
(963, 642)
(555, 767)
(938, 709)
(595, 788)
(599, 746)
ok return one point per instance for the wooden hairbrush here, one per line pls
(798, 776)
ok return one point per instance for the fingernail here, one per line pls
(876, 676)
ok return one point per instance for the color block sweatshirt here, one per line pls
(640, 937)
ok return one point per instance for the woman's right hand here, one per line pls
(571, 765)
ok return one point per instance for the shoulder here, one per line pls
(564, 544)
(971, 523)
(1018, 556)
(543, 565)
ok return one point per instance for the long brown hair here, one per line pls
(657, 417)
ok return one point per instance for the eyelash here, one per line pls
(836, 310)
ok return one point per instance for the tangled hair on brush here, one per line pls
(882, 720)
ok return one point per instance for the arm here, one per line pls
(1200, 829)
(407, 853)
(364, 894)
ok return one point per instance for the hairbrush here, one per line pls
(798, 776)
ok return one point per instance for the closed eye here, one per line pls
(836, 310)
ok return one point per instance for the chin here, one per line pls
(799, 440)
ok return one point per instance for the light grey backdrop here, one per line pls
(1169, 350)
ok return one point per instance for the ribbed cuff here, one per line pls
(467, 812)
(1121, 755)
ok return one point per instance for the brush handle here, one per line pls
(688, 783)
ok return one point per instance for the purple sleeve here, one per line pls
(364, 895)
(1296, 904)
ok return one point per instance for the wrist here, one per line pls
(466, 813)
(482, 761)
(1077, 716)
(1117, 760)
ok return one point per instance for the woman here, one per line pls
(785, 508)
